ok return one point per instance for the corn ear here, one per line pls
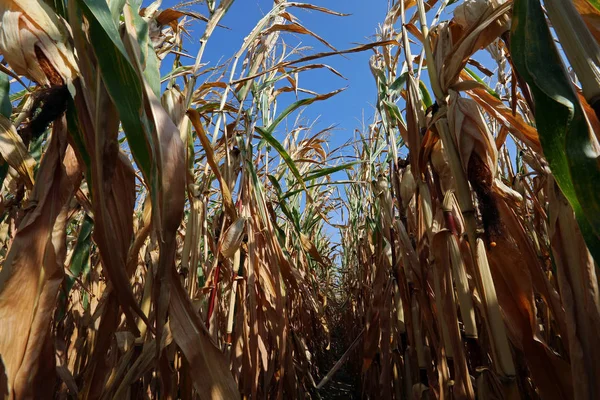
(471, 133)
(233, 237)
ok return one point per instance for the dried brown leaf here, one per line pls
(33, 271)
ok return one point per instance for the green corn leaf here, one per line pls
(148, 57)
(80, 261)
(6, 110)
(152, 71)
(295, 192)
(267, 133)
(36, 149)
(425, 96)
(282, 203)
(282, 152)
(328, 171)
(560, 119)
(478, 79)
(18, 95)
(116, 8)
(595, 3)
(5, 104)
(399, 83)
(121, 80)
(394, 112)
(176, 72)
(296, 105)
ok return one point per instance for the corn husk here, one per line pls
(30, 32)
(233, 237)
(408, 186)
(174, 103)
(439, 161)
(470, 11)
(471, 133)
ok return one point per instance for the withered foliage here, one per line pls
(169, 235)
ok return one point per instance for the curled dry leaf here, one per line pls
(14, 151)
(32, 273)
(488, 28)
(591, 16)
(578, 285)
(513, 122)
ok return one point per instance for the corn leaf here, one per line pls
(595, 3)
(329, 170)
(80, 262)
(5, 110)
(121, 80)
(561, 122)
(5, 105)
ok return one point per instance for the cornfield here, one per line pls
(166, 232)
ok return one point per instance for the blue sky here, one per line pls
(343, 110)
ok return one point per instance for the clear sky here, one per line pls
(343, 110)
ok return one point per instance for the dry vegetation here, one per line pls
(157, 240)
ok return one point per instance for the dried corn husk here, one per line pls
(32, 32)
(233, 237)
(408, 186)
(439, 161)
(470, 132)
(174, 103)
(470, 11)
